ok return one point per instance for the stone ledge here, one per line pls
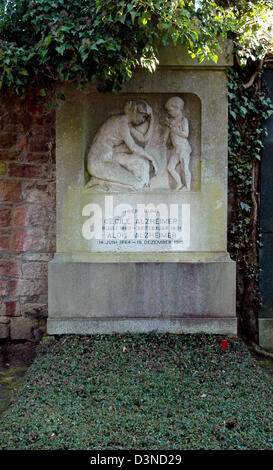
(223, 326)
(155, 257)
(178, 56)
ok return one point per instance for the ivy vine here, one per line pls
(103, 41)
(248, 108)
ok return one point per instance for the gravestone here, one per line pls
(142, 205)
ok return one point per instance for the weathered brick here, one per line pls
(33, 104)
(34, 310)
(28, 287)
(3, 288)
(27, 217)
(4, 320)
(20, 240)
(11, 103)
(37, 157)
(21, 328)
(29, 256)
(12, 142)
(20, 215)
(7, 140)
(35, 270)
(39, 145)
(52, 228)
(10, 191)
(40, 194)
(28, 239)
(33, 215)
(45, 120)
(11, 123)
(5, 232)
(11, 155)
(37, 216)
(21, 143)
(12, 309)
(51, 244)
(22, 170)
(43, 131)
(25, 119)
(53, 156)
(42, 299)
(10, 268)
(5, 217)
(4, 330)
(4, 243)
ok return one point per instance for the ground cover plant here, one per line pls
(143, 391)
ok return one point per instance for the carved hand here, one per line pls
(155, 165)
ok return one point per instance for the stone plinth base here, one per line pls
(166, 295)
(266, 333)
(224, 326)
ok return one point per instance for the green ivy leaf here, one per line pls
(61, 49)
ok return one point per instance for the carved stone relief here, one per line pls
(142, 149)
(177, 132)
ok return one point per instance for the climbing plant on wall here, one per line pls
(248, 108)
(103, 41)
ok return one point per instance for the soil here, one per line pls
(15, 359)
(265, 362)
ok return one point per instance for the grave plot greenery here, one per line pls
(143, 391)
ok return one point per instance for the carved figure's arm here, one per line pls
(134, 148)
(166, 135)
(137, 134)
(143, 138)
(150, 129)
(183, 131)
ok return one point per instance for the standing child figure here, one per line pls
(177, 131)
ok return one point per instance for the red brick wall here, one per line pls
(27, 214)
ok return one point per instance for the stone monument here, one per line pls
(142, 205)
